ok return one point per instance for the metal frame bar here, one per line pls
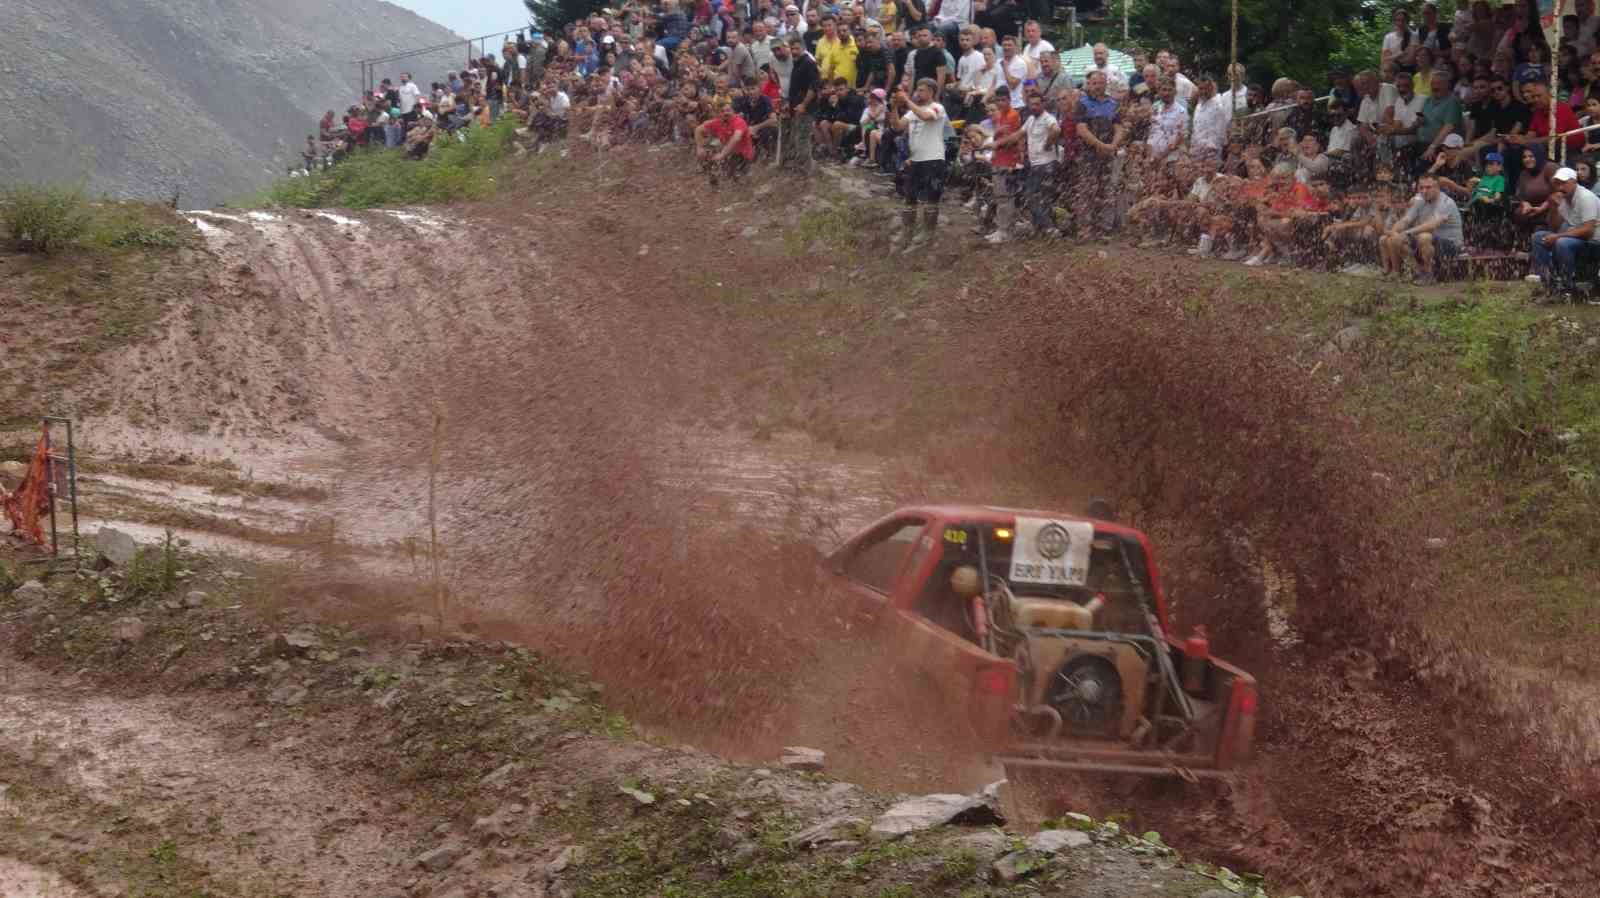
(71, 460)
(1184, 773)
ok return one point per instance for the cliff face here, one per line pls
(211, 97)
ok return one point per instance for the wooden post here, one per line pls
(1125, 5)
(1233, 57)
(433, 516)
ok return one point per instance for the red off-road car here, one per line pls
(1051, 630)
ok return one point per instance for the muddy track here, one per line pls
(592, 427)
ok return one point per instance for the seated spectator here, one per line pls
(1534, 186)
(723, 144)
(1429, 230)
(1558, 254)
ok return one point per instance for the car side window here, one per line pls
(876, 562)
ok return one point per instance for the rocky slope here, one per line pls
(213, 97)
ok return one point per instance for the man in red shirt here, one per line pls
(1537, 95)
(723, 143)
(1006, 163)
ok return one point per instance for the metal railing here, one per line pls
(475, 47)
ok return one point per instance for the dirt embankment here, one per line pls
(603, 385)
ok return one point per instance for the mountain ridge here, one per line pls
(208, 98)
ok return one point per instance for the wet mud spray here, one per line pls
(597, 501)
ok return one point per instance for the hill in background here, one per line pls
(211, 96)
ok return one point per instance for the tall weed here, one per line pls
(45, 219)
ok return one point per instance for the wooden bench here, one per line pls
(1484, 264)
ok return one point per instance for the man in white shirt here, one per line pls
(1402, 117)
(1044, 159)
(1238, 92)
(924, 122)
(1170, 68)
(1556, 255)
(1213, 113)
(970, 63)
(1102, 64)
(1167, 126)
(953, 16)
(1034, 44)
(1014, 69)
(410, 93)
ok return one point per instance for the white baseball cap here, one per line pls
(1565, 174)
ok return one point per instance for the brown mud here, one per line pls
(645, 431)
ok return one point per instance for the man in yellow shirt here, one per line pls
(836, 52)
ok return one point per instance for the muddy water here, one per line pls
(20, 880)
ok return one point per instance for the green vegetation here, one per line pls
(453, 170)
(45, 219)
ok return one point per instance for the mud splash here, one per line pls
(20, 880)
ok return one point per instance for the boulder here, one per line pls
(127, 629)
(929, 811)
(439, 858)
(1016, 865)
(15, 470)
(30, 592)
(798, 757)
(114, 546)
(987, 842)
(570, 856)
(289, 695)
(1050, 841)
(833, 829)
(195, 599)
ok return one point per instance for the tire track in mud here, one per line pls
(274, 823)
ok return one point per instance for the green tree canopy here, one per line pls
(553, 15)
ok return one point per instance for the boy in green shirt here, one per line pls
(1490, 188)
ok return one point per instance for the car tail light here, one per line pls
(1247, 702)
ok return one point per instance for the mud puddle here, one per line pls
(20, 880)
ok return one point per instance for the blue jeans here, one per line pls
(1558, 265)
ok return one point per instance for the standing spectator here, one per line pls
(1537, 96)
(836, 52)
(1304, 117)
(1441, 116)
(1400, 122)
(1400, 44)
(924, 120)
(968, 69)
(760, 43)
(872, 63)
(1168, 126)
(953, 18)
(924, 61)
(1034, 45)
(1238, 92)
(1558, 254)
(793, 22)
(986, 82)
(804, 85)
(1212, 116)
(1052, 82)
(1100, 135)
(741, 62)
(1430, 230)
(1007, 159)
(1013, 71)
(1172, 69)
(1044, 158)
(1101, 62)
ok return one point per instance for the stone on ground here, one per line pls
(114, 546)
(798, 757)
(929, 811)
(833, 829)
(1050, 841)
(30, 592)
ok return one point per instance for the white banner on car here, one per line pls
(1053, 552)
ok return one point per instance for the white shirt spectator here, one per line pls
(1200, 191)
(926, 138)
(1406, 115)
(1167, 127)
(968, 68)
(1017, 68)
(1580, 209)
(1391, 41)
(560, 103)
(1239, 97)
(1342, 138)
(1114, 75)
(957, 11)
(1185, 88)
(1038, 128)
(987, 81)
(1211, 120)
(1032, 51)
(410, 93)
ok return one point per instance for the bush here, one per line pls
(45, 219)
(452, 170)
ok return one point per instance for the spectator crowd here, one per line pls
(1454, 152)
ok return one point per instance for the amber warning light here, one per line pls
(1002, 533)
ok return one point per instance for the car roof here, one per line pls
(995, 514)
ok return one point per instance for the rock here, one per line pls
(833, 829)
(839, 791)
(1050, 841)
(16, 470)
(30, 592)
(988, 842)
(748, 232)
(570, 856)
(498, 774)
(389, 699)
(743, 854)
(127, 629)
(114, 546)
(1435, 543)
(439, 858)
(1016, 865)
(929, 811)
(798, 757)
(293, 644)
(289, 695)
(491, 829)
(195, 599)
(639, 795)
